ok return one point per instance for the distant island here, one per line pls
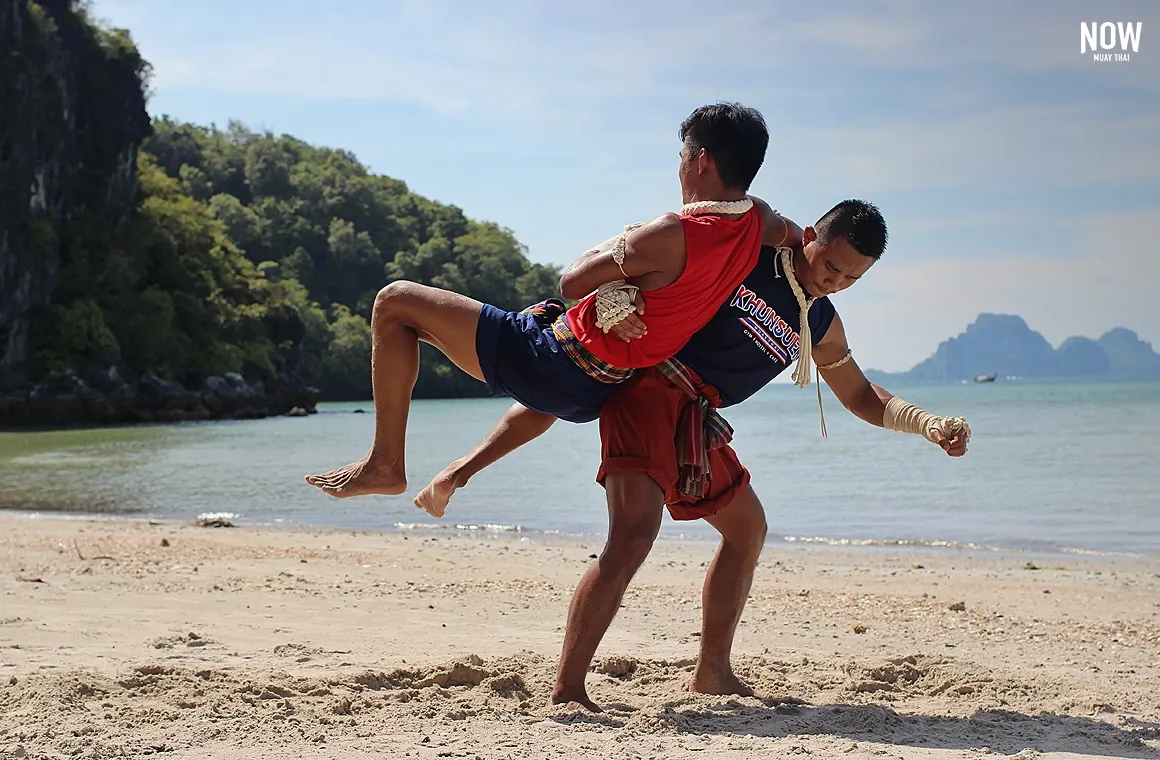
(1003, 345)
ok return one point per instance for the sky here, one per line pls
(1017, 174)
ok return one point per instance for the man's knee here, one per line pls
(396, 298)
(758, 534)
(636, 506)
(742, 524)
(630, 544)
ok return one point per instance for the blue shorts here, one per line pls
(521, 358)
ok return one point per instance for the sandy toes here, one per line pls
(436, 494)
(576, 701)
(707, 681)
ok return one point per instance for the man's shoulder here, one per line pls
(825, 324)
(661, 233)
(767, 212)
(667, 222)
(773, 226)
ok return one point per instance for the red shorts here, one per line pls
(638, 428)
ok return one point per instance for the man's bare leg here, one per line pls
(518, 426)
(742, 527)
(635, 505)
(404, 313)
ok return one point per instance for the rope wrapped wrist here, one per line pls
(905, 417)
(614, 301)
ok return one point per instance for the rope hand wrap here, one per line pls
(905, 417)
(614, 301)
(617, 299)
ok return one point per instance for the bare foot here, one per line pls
(715, 681)
(580, 698)
(437, 493)
(361, 478)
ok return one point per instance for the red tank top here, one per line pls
(719, 253)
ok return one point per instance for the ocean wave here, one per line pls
(907, 542)
(820, 541)
(919, 543)
(462, 527)
(1101, 553)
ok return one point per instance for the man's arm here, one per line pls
(864, 399)
(777, 230)
(654, 256)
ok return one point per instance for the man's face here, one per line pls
(831, 267)
(688, 171)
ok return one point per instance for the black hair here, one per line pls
(860, 222)
(734, 135)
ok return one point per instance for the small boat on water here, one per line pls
(985, 378)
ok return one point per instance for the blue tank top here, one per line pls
(753, 337)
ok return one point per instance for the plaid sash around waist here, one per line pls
(700, 429)
(584, 359)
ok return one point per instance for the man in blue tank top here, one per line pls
(663, 443)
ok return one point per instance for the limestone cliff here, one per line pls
(1001, 343)
(73, 103)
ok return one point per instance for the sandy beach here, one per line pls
(126, 639)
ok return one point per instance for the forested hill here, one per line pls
(326, 235)
(153, 269)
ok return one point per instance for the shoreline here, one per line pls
(467, 530)
(113, 396)
(123, 637)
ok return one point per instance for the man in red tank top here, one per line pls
(678, 268)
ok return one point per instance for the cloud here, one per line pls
(555, 73)
(1023, 147)
(976, 39)
(455, 58)
(458, 57)
(980, 129)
